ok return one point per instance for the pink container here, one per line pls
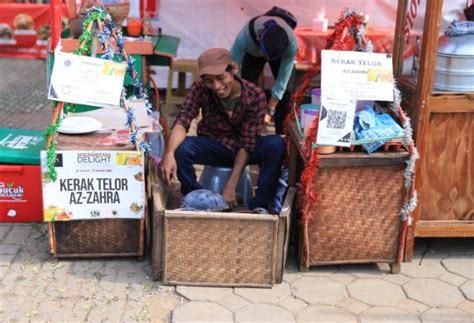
(316, 96)
(309, 117)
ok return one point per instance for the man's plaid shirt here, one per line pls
(239, 131)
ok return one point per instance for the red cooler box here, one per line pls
(20, 193)
(20, 175)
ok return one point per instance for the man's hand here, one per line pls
(267, 119)
(229, 195)
(168, 168)
(271, 106)
(272, 103)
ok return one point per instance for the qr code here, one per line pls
(336, 119)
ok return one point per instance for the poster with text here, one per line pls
(359, 75)
(348, 77)
(86, 80)
(94, 185)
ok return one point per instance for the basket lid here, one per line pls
(20, 146)
(456, 46)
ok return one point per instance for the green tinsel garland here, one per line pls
(87, 36)
(51, 153)
(85, 40)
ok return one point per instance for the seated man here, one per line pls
(229, 134)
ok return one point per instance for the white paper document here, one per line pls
(86, 80)
(336, 121)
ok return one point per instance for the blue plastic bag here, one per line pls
(375, 128)
(203, 200)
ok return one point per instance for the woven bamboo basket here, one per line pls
(98, 238)
(358, 217)
(218, 249)
(118, 11)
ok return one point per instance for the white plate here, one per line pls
(79, 125)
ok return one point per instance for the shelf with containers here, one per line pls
(437, 85)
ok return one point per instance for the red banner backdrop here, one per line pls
(25, 46)
(310, 41)
(149, 8)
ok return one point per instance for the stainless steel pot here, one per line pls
(454, 69)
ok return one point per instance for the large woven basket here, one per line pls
(218, 249)
(98, 238)
(357, 219)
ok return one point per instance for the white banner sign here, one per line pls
(362, 76)
(94, 185)
(86, 80)
(346, 78)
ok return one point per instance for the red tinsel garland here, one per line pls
(349, 24)
(348, 19)
(311, 154)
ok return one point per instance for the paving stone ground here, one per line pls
(23, 93)
(34, 287)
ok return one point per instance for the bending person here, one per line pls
(268, 39)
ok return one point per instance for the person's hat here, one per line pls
(273, 40)
(214, 61)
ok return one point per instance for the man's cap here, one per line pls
(214, 61)
(273, 40)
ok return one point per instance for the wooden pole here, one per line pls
(55, 11)
(421, 117)
(56, 115)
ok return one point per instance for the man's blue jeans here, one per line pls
(268, 153)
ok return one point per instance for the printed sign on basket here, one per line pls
(346, 78)
(335, 126)
(359, 75)
(94, 185)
